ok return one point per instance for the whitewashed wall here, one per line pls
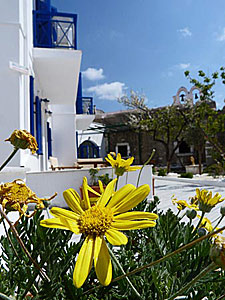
(16, 35)
(45, 184)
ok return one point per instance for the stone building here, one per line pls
(122, 138)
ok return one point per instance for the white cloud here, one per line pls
(171, 71)
(184, 66)
(185, 32)
(221, 37)
(93, 74)
(108, 91)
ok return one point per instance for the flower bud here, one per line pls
(191, 213)
(22, 139)
(202, 231)
(222, 210)
(217, 254)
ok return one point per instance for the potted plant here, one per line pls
(104, 178)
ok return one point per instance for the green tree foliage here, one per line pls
(166, 125)
(209, 121)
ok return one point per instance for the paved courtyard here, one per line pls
(165, 189)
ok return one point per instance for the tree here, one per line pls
(166, 125)
(209, 121)
(194, 136)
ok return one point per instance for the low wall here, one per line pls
(45, 184)
(204, 182)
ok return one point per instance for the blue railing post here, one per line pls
(32, 105)
(79, 108)
(49, 138)
(38, 126)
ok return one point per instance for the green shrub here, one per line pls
(53, 251)
(214, 170)
(186, 175)
(162, 172)
(105, 179)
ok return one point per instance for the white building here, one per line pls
(39, 71)
(41, 92)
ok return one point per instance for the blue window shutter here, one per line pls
(38, 126)
(32, 105)
(79, 108)
(49, 137)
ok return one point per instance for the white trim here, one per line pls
(123, 144)
(18, 68)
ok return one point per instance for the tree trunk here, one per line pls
(199, 160)
(168, 160)
(168, 166)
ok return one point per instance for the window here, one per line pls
(88, 149)
(123, 149)
(184, 148)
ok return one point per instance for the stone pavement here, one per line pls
(166, 188)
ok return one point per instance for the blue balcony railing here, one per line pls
(85, 105)
(55, 30)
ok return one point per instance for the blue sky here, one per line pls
(146, 45)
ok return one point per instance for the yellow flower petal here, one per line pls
(54, 223)
(116, 237)
(72, 225)
(129, 161)
(73, 200)
(130, 225)
(136, 215)
(87, 204)
(101, 187)
(120, 195)
(134, 168)
(132, 199)
(60, 212)
(103, 265)
(90, 189)
(107, 193)
(84, 262)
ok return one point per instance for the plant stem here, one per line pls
(9, 158)
(221, 218)
(3, 296)
(200, 221)
(209, 268)
(12, 227)
(10, 241)
(117, 182)
(122, 270)
(170, 254)
(126, 177)
(162, 258)
(147, 161)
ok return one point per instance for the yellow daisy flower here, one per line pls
(22, 139)
(205, 200)
(106, 219)
(16, 196)
(121, 165)
(206, 223)
(181, 204)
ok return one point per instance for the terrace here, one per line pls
(55, 30)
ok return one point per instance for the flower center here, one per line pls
(95, 221)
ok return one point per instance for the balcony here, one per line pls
(85, 106)
(54, 30)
